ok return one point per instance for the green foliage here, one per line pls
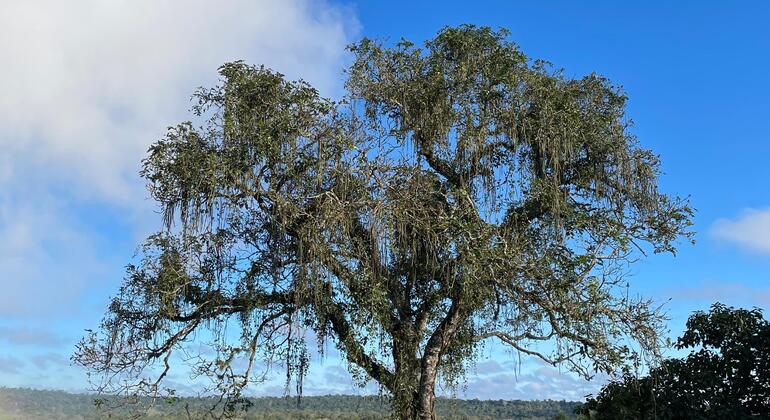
(725, 376)
(459, 193)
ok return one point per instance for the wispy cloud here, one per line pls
(10, 365)
(30, 336)
(47, 257)
(731, 293)
(537, 382)
(47, 360)
(750, 230)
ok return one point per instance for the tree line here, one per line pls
(18, 403)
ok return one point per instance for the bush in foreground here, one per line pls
(725, 376)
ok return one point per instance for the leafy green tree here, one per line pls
(725, 376)
(458, 193)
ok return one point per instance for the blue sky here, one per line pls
(88, 85)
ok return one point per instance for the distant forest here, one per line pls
(16, 403)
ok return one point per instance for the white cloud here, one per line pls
(751, 230)
(88, 85)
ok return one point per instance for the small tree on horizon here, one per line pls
(458, 193)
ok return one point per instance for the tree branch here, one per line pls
(353, 349)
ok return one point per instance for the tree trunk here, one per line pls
(405, 400)
(416, 402)
(442, 336)
(413, 389)
(406, 374)
(414, 396)
(426, 393)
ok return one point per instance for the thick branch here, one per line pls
(425, 149)
(215, 304)
(353, 349)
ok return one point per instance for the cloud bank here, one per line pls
(88, 85)
(750, 230)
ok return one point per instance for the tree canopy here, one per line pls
(725, 376)
(458, 193)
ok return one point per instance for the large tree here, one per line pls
(457, 194)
